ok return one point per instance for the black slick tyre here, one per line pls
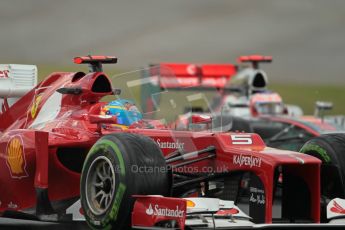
(118, 166)
(330, 149)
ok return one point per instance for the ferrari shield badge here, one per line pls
(35, 104)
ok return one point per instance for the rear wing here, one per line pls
(15, 81)
(182, 75)
(242, 80)
(204, 76)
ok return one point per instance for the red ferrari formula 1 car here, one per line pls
(60, 143)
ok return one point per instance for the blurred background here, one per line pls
(305, 37)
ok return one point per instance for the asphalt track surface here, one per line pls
(7, 223)
(305, 37)
(10, 223)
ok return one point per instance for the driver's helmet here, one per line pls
(267, 103)
(125, 111)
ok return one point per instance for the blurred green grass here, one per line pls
(306, 95)
(303, 95)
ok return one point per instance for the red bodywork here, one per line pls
(45, 123)
(305, 123)
(146, 208)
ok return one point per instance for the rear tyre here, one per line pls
(330, 149)
(118, 166)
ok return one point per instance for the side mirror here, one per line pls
(200, 118)
(199, 122)
(324, 105)
(116, 91)
(104, 119)
(320, 107)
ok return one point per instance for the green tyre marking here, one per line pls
(102, 144)
(115, 209)
(118, 154)
(322, 152)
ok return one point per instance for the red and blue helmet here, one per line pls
(125, 111)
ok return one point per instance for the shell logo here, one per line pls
(190, 204)
(16, 158)
(34, 107)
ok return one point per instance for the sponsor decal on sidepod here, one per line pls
(16, 158)
(246, 161)
(170, 145)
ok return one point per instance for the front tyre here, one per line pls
(330, 149)
(118, 166)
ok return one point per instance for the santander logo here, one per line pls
(337, 208)
(155, 210)
(149, 211)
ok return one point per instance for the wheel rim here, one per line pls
(100, 185)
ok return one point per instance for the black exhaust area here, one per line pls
(101, 85)
(296, 203)
(72, 158)
(259, 80)
(291, 197)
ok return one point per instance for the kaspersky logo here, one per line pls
(157, 211)
(250, 161)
